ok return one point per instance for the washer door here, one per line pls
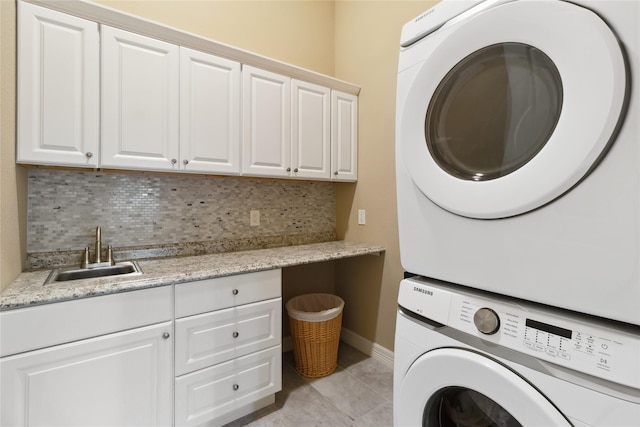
(450, 387)
(512, 107)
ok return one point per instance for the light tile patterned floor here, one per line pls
(358, 393)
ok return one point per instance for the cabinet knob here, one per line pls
(89, 154)
(174, 161)
(236, 334)
(235, 387)
(296, 170)
(185, 161)
(288, 169)
(166, 335)
(235, 292)
(335, 173)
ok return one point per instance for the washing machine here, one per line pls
(518, 150)
(464, 357)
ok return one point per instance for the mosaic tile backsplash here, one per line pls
(65, 207)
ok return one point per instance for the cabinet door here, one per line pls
(266, 123)
(118, 379)
(310, 130)
(344, 136)
(211, 393)
(58, 88)
(140, 102)
(211, 338)
(209, 113)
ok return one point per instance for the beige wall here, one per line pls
(366, 53)
(356, 41)
(297, 32)
(13, 180)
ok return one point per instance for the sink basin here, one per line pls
(125, 268)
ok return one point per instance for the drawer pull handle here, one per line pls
(236, 387)
(235, 292)
(166, 335)
(236, 334)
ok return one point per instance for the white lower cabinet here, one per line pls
(228, 359)
(120, 379)
(122, 360)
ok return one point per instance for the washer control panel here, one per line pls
(585, 344)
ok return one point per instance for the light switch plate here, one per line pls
(361, 217)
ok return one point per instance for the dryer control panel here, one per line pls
(590, 345)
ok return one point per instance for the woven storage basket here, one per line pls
(315, 342)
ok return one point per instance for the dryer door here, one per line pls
(455, 387)
(514, 104)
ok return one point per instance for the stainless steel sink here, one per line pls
(125, 268)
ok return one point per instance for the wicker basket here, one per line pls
(315, 343)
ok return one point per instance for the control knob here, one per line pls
(487, 321)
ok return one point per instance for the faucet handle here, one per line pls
(110, 255)
(85, 258)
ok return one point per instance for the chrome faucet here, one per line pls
(98, 261)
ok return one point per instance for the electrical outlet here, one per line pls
(362, 220)
(254, 218)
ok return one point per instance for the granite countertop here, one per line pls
(28, 289)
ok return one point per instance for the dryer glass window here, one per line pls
(463, 407)
(494, 111)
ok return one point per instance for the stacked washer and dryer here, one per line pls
(518, 181)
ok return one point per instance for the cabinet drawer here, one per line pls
(51, 324)
(207, 339)
(213, 294)
(213, 392)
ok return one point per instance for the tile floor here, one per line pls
(358, 393)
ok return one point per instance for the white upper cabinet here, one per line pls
(97, 96)
(209, 113)
(310, 130)
(286, 126)
(140, 101)
(266, 114)
(344, 136)
(58, 88)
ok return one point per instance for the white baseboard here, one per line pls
(376, 351)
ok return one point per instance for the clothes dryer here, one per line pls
(469, 358)
(518, 150)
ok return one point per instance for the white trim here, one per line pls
(376, 351)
